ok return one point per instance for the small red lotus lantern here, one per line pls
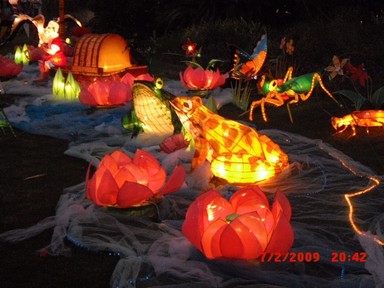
(121, 181)
(200, 79)
(173, 143)
(8, 67)
(243, 227)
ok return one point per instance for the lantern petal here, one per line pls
(147, 161)
(103, 189)
(211, 239)
(231, 245)
(175, 181)
(195, 224)
(282, 201)
(282, 237)
(119, 94)
(246, 198)
(194, 78)
(125, 174)
(86, 98)
(133, 193)
(120, 157)
(254, 234)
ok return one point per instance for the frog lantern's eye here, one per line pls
(159, 83)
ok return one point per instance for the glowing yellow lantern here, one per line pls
(58, 84)
(65, 88)
(22, 54)
(72, 88)
(237, 153)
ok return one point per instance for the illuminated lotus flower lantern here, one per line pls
(8, 68)
(241, 228)
(65, 88)
(22, 55)
(121, 181)
(199, 80)
(110, 91)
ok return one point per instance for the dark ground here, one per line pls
(34, 172)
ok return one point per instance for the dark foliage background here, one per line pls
(320, 29)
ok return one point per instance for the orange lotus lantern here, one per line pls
(121, 181)
(242, 228)
(199, 79)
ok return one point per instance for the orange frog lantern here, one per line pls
(237, 153)
(242, 228)
(121, 181)
(364, 118)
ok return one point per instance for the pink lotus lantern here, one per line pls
(110, 91)
(121, 181)
(106, 92)
(8, 67)
(198, 79)
(242, 228)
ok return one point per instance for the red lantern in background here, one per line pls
(242, 228)
(121, 181)
(200, 79)
(8, 67)
(110, 91)
(173, 143)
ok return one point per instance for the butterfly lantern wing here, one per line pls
(246, 65)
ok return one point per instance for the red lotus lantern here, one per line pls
(110, 91)
(242, 228)
(121, 181)
(106, 92)
(173, 143)
(200, 79)
(8, 67)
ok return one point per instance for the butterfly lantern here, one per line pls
(122, 182)
(248, 65)
(242, 228)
